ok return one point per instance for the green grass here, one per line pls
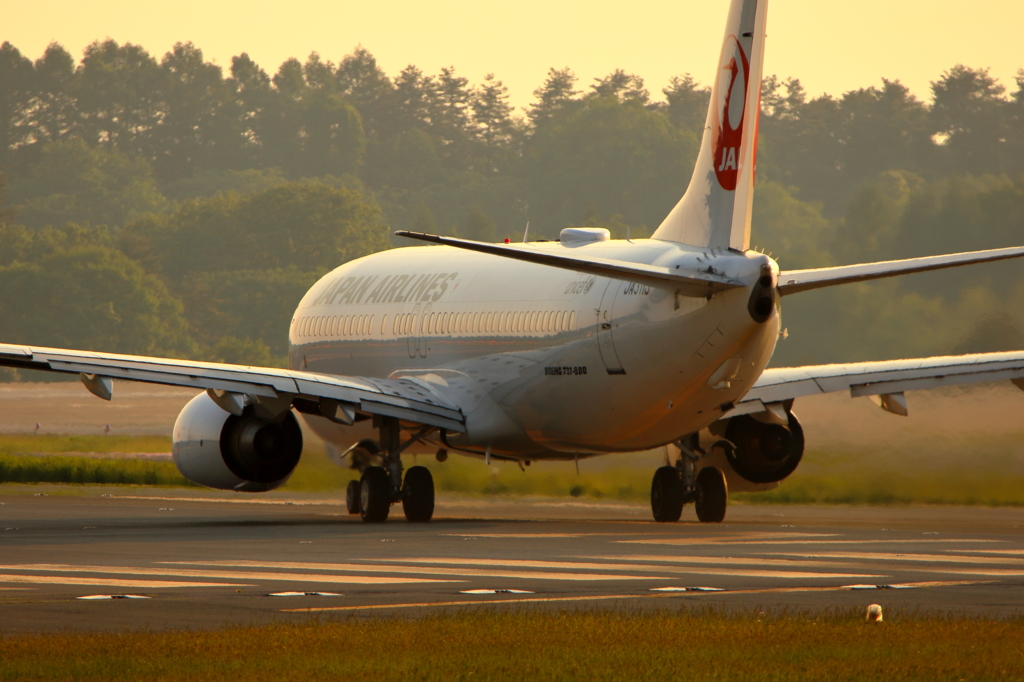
(535, 644)
(49, 444)
(823, 478)
(58, 459)
(67, 469)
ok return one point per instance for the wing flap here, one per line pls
(402, 398)
(795, 281)
(688, 284)
(889, 376)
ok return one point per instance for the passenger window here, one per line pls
(572, 320)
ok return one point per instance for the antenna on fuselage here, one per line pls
(627, 235)
(526, 232)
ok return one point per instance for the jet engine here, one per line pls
(217, 449)
(764, 450)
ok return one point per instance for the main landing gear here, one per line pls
(674, 486)
(381, 486)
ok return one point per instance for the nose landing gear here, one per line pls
(674, 486)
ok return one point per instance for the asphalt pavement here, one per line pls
(92, 558)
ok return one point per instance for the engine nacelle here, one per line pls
(216, 449)
(764, 451)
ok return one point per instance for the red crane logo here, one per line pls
(729, 114)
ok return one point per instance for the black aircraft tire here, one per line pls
(374, 495)
(667, 495)
(352, 497)
(712, 495)
(418, 495)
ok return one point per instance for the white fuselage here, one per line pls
(546, 362)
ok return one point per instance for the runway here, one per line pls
(197, 559)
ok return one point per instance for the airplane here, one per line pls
(547, 350)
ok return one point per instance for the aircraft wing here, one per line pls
(881, 378)
(336, 397)
(687, 284)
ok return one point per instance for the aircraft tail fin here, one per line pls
(715, 210)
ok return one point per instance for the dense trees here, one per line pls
(201, 202)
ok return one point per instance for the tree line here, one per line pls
(216, 197)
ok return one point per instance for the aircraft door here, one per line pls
(606, 324)
(412, 341)
(421, 339)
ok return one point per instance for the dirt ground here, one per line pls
(67, 407)
(976, 427)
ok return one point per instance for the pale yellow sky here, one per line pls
(831, 46)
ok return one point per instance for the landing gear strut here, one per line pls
(674, 486)
(382, 486)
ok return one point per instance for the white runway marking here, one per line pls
(931, 558)
(238, 575)
(377, 568)
(519, 536)
(604, 597)
(106, 582)
(569, 565)
(688, 541)
(726, 561)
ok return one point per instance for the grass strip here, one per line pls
(824, 478)
(537, 644)
(69, 469)
(11, 443)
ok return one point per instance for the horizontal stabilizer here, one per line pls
(689, 284)
(795, 281)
